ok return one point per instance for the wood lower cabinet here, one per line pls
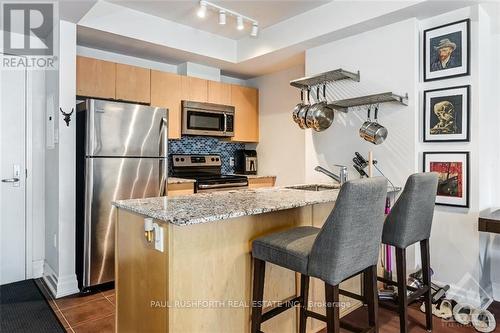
(166, 92)
(219, 93)
(95, 78)
(133, 83)
(175, 190)
(246, 120)
(261, 182)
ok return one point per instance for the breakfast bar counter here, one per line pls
(199, 279)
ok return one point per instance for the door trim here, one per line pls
(28, 164)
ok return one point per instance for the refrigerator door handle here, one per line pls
(163, 137)
(163, 177)
(163, 156)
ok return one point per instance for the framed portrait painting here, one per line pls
(453, 177)
(447, 51)
(447, 114)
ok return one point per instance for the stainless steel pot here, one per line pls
(303, 111)
(372, 131)
(314, 109)
(296, 109)
(321, 116)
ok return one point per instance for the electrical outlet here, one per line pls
(231, 161)
(158, 237)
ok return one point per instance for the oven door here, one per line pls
(201, 122)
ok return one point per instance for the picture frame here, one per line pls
(446, 114)
(453, 184)
(446, 51)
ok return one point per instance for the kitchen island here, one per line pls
(202, 280)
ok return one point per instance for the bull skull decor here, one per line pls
(67, 116)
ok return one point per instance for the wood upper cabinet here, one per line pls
(166, 92)
(246, 122)
(95, 78)
(194, 89)
(133, 83)
(219, 93)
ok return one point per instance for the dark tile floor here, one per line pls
(79, 314)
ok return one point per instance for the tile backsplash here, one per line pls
(206, 145)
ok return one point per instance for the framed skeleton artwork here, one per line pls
(446, 114)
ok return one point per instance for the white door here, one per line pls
(12, 175)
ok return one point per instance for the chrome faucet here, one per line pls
(341, 178)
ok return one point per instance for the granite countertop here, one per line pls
(175, 180)
(215, 206)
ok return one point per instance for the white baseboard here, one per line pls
(59, 286)
(37, 268)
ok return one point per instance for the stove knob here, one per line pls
(177, 159)
(182, 159)
(213, 159)
(217, 159)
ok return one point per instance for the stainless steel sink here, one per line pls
(314, 187)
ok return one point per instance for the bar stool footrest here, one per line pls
(343, 324)
(287, 304)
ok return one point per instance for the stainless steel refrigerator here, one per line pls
(121, 154)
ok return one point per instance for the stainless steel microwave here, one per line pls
(207, 119)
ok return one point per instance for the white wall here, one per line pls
(387, 60)
(281, 146)
(59, 269)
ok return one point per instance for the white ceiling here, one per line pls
(267, 13)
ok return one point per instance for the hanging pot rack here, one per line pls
(307, 83)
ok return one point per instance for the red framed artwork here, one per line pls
(453, 176)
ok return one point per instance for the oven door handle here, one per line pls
(208, 187)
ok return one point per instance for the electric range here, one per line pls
(207, 171)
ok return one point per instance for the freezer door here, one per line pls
(124, 129)
(110, 179)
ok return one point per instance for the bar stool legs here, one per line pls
(259, 270)
(402, 290)
(304, 294)
(371, 296)
(426, 277)
(403, 299)
(332, 308)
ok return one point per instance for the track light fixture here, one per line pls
(239, 23)
(202, 11)
(224, 12)
(222, 17)
(255, 30)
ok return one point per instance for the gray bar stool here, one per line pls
(346, 245)
(410, 222)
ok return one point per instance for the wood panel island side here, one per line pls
(202, 281)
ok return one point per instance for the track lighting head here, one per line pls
(255, 30)
(222, 17)
(202, 11)
(239, 23)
